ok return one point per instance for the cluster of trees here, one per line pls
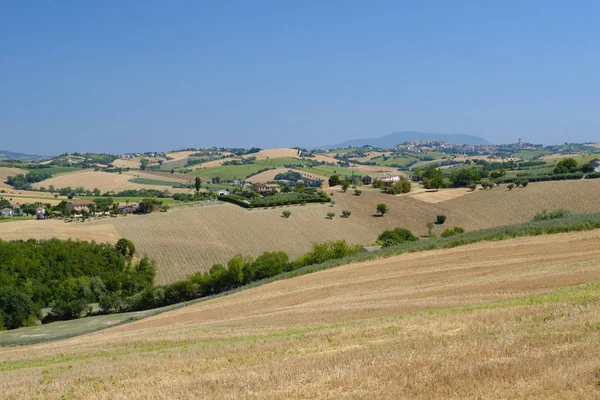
(249, 199)
(24, 181)
(453, 231)
(296, 179)
(240, 270)
(396, 236)
(570, 166)
(243, 161)
(66, 276)
(400, 187)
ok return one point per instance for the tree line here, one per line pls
(66, 276)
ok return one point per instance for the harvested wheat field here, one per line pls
(377, 170)
(324, 158)
(270, 175)
(497, 320)
(104, 181)
(193, 238)
(433, 196)
(53, 228)
(5, 172)
(274, 153)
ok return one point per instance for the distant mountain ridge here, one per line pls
(397, 138)
(11, 155)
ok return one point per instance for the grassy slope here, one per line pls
(230, 172)
(146, 181)
(493, 320)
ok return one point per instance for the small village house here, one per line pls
(262, 188)
(128, 208)
(40, 213)
(78, 206)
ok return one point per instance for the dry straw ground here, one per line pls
(496, 320)
(105, 181)
(5, 172)
(191, 239)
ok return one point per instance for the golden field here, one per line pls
(498, 320)
(105, 181)
(188, 239)
(5, 172)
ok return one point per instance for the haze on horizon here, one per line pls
(136, 76)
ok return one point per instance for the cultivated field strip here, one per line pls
(498, 320)
(191, 239)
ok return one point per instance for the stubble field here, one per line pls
(5, 172)
(192, 238)
(498, 320)
(104, 181)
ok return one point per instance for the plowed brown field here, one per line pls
(489, 321)
(191, 239)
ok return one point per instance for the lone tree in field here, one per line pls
(345, 185)
(198, 184)
(330, 215)
(440, 219)
(357, 192)
(510, 186)
(346, 213)
(286, 214)
(430, 226)
(382, 209)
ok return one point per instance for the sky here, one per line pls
(125, 76)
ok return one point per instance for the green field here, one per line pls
(231, 172)
(54, 170)
(530, 155)
(145, 181)
(328, 170)
(130, 199)
(174, 164)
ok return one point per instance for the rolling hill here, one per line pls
(496, 320)
(10, 155)
(189, 239)
(397, 138)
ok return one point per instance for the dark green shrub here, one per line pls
(545, 215)
(440, 219)
(396, 236)
(453, 232)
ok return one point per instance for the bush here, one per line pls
(396, 236)
(510, 186)
(382, 209)
(346, 213)
(400, 187)
(357, 192)
(322, 252)
(453, 232)
(286, 214)
(473, 186)
(330, 215)
(545, 215)
(440, 219)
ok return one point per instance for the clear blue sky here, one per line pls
(121, 76)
